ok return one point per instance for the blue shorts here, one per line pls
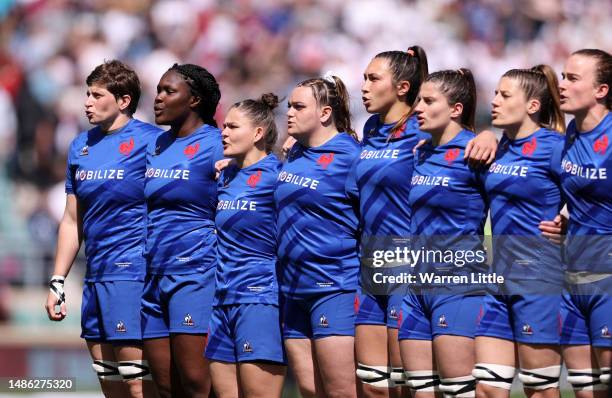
(319, 316)
(177, 304)
(587, 318)
(245, 332)
(378, 310)
(526, 319)
(110, 311)
(424, 317)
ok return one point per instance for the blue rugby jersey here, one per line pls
(106, 174)
(317, 222)
(523, 188)
(382, 175)
(181, 195)
(246, 234)
(586, 179)
(447, 202)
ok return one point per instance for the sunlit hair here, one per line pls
(458, 87)
(603, 73)
(119, 79)
(334, 95)
(541, 83)
(410, 66)
(261, 114)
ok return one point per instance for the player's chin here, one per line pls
(566, 107)
(161, 119)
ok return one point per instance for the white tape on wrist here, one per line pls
(56, 286)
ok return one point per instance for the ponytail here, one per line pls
(552, 114)
(458, 86)
(331, 91)
(541, 83)
(411, 66)
(261, 114)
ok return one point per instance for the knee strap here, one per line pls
(461, 387)
(134, 370)
(541, 378)
(585, 379)
(397, 377)
(377, 376)
(500, 376)
(107, 370)
(605, 375)
(422, 380)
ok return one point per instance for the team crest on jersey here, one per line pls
(84, 151)
(323, 322)
(254, 179)
(188, 321)
(120, 328)
(191, 150)
(398, 133)
(442, 321)
(527, 329)
(126, 147)
(325, 160)
(605, 332)
(451, 155)
(529, 148)
(393, 313)
(246, 347)
(601, 145)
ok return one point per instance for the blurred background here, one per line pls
(48, 47)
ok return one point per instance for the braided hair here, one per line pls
(204, 86)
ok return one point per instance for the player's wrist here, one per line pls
(56, 286)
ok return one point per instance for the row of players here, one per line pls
(179, 264)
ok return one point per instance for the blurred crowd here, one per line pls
(48, 47)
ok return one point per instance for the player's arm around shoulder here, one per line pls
(481, 149)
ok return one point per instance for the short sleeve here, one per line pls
(69, 184)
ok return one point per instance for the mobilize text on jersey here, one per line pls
(246, 205)
(509, 170)
(171, 174)
(590, 173)
(380, 154)
(108, 174)
(295, 179)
